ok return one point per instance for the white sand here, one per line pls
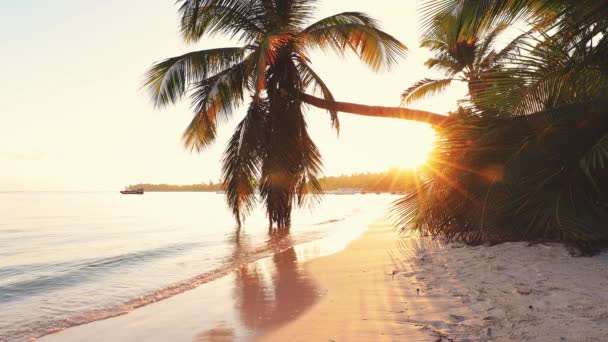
(514, 292)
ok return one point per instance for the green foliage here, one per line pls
(392, 180)
(271, 145)
(527, 159)
(462, 54)
(203, 187)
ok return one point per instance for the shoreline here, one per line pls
(383, 288)
(345, 295)
(364, 299)
(416, 289)
(286, 255)
(181, 287)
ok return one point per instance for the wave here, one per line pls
(322, 223)
(51, 277)
(70, 274)
(236, 261)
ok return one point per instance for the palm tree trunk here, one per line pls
(378, 111)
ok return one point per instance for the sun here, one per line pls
(418, 143)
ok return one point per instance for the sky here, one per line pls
(74, 116)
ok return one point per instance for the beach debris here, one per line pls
(457, 318)
(524, 292)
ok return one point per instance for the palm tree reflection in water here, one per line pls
(268, 296)
(267, 293)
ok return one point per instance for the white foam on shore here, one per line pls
(307, 247)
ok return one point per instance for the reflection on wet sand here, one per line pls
(267, 293)
(219, 334)
(236, 302)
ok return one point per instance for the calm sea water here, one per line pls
(71, 258)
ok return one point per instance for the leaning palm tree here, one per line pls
(270, 149)
(462, 54)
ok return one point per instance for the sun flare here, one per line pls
(420, 145)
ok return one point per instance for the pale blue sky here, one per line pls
(74, 117)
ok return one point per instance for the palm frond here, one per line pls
(597, 156)
(295, 13)
(358, 32)
(215, 98)
(487, 42)
(266, 54)
(310, 78)
(423, 88)
(241, 18)
(242, 158)
(481, 15)
(510, 51)
(547, 73)
(445, 63)
(168, 80)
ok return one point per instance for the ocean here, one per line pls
(69, 258)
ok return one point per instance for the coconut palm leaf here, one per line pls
(214, 99)
(461, 53)
(168, 80)
(511, 50)
(446, 64)
(423, 88)
(311, 79)
(485, 49)
(295, 13)
(241, 162)
(482, 15)
(235, 18)
(548, 73)
(359, 33)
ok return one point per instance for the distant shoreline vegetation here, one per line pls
(393, 180)
(203, 187)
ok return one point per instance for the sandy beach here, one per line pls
(381, 288)
(451, 292)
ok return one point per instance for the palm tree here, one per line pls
(539, 171)
(462, 54)
(270, 148)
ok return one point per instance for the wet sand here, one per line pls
(416, 289)
(295, 295)
(370, 293)
(382, 288)
(243, 305)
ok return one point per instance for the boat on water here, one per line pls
(132, 192)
